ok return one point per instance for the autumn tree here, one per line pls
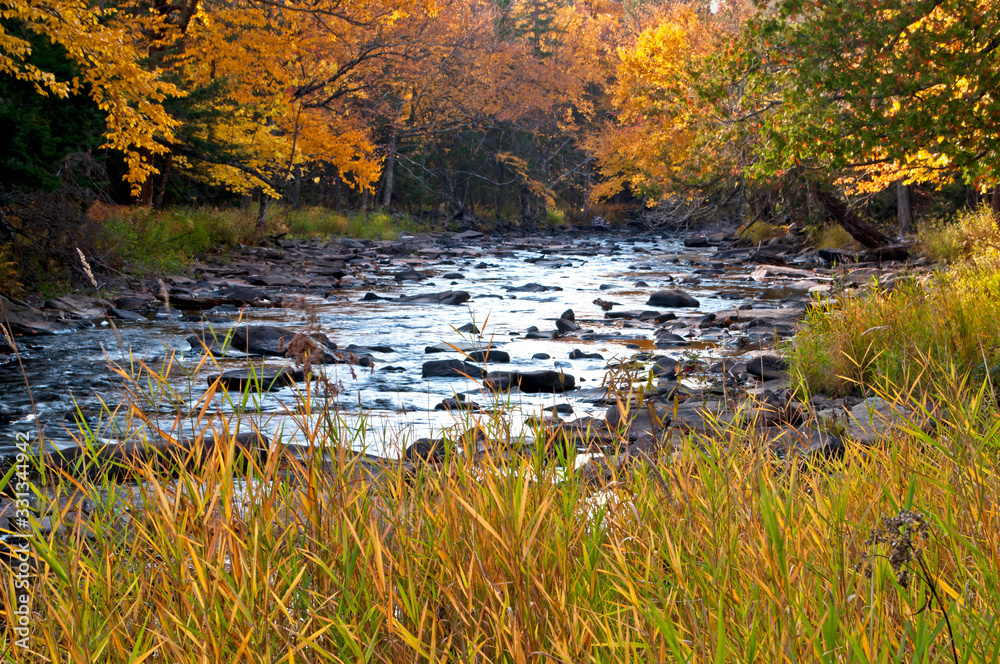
(676, 133)
(108, 59)
(479, 116)
(888, 91)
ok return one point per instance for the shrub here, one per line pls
(832, 236)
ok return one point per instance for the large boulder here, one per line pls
(409, 274)
(266, 340)
(450, 369)
(531, 288)
(564, 325)
(645, 423)
(429, 450)
(672, 299)
(489, 355)
(77, 306)
(767, 367)
(665, 367)
(28, 320)
(530, 381)
(259, 380)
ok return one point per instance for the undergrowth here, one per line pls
(323, 223)
(761, 232)
(972, 236)
(156, 241)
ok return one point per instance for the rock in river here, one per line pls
(530, 381)
(28, 320)
(531, 288)
(260, 380)
(565, 326)
(268, 340)
(767, 367)
(672, 299)
(447, 297)
(450, 369)
(489, 355)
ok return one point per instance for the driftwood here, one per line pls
(852, 223)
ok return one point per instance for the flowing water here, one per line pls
(69, 374)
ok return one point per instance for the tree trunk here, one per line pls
(995, 201)
(852, 223)
(389, 175)
(761, 207)
(364, 201)
(145, 197)
(297, 188)
(904, 209)
(262, 214)
(168, 161)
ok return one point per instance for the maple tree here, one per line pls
(675, 133)
(887, 92)
(109, 64)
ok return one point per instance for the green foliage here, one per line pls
(762, 232)
(322, 223)
(893, 82)
(143, 240)
(146, 240)
(554, 216)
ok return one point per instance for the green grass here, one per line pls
(147, 240)
(762, 232)
(911, 336)
(972, 236)
(322, 223)
(144, 241)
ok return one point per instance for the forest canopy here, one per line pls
(507, 108)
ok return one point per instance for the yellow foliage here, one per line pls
(664, 130)
(109, 57)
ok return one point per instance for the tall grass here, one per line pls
(973, 235)
(716, 553)
(163, 240)
(906, 335)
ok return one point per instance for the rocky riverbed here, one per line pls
(422, 331)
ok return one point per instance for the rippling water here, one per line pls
(71, 371)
